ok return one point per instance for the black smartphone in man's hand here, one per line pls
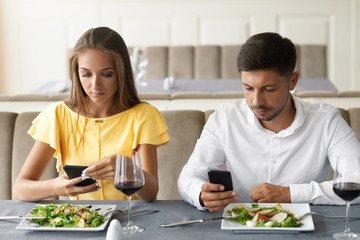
(221, 177)
(74, 171)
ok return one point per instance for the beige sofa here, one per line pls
(185, 127)
(215, 61)
(201, 101)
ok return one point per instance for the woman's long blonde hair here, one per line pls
(111, 43)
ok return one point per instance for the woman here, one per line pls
(103, 117)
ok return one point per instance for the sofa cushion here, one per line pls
(190, 95)
(208, 113)
(224, 95)
(316, 94)
(185, 127)
(312, 61)
(29, 97)
(207, 62)
(158, 62)
(354, 116)
(229, 54)
(181, 62)
(7, 124)
(345, 115)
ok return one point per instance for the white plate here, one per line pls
(26, 224)
(296, 208)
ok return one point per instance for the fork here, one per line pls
(146, 211)
(325, 216)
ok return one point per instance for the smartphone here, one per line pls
(221, 177)
(74, 171)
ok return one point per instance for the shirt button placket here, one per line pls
(270, 160)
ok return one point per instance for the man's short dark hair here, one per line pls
(267, 51)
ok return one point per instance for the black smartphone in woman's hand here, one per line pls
(74, 171)
(221, 177)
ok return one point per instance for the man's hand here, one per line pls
(214, 199)
(270, 193)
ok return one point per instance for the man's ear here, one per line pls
(293, 80)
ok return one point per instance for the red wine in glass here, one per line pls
(347, 190)
(129, 187)
(346, 185)
(129, 178)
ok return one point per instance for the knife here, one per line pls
(196, 221)
(20, 217)
(141, 212)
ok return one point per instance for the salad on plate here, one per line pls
(67, 216)
(255, 216)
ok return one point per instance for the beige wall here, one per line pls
(356, 45)
(38, 33)
(3, 87)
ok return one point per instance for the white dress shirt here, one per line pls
(298, 156)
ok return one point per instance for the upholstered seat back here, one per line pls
(215, 61)
(185, 127)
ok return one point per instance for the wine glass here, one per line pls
(129, 178)
(139, 62)
(346, 184)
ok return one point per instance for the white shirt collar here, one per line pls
(297, 122)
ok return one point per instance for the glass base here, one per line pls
(346, 235)
(129, 229)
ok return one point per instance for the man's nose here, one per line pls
(258, 98)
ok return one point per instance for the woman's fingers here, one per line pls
(104, 169)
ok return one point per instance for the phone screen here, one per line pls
(74, 171)
(221, 177)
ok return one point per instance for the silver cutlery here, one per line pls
(20, 217)
(135, 213)
(325, 216)
(196, 221)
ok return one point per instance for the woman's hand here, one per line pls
(102, 170)
(64, 186)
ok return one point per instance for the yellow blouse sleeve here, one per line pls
(149, 127)
(45, 128)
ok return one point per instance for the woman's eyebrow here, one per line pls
(104, 69)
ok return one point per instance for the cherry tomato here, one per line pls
(262, 217)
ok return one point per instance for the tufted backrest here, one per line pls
(158, 62)
(354, 120)
(181, 62)
(7, 124)
(312, 61)
(215, 61)
(229, 54)
(207, 62)
(184, 129)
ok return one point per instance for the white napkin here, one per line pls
(114, 231)
(169, 83)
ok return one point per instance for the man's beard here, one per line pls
(275, 114)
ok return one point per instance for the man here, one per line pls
(277, 148)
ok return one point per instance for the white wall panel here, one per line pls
(152, 31)
(45, 65)
(314, 29)
(26, 23)
(227, 30)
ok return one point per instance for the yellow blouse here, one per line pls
(80, 140)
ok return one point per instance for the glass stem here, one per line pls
(347, 226)
(129, 210)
